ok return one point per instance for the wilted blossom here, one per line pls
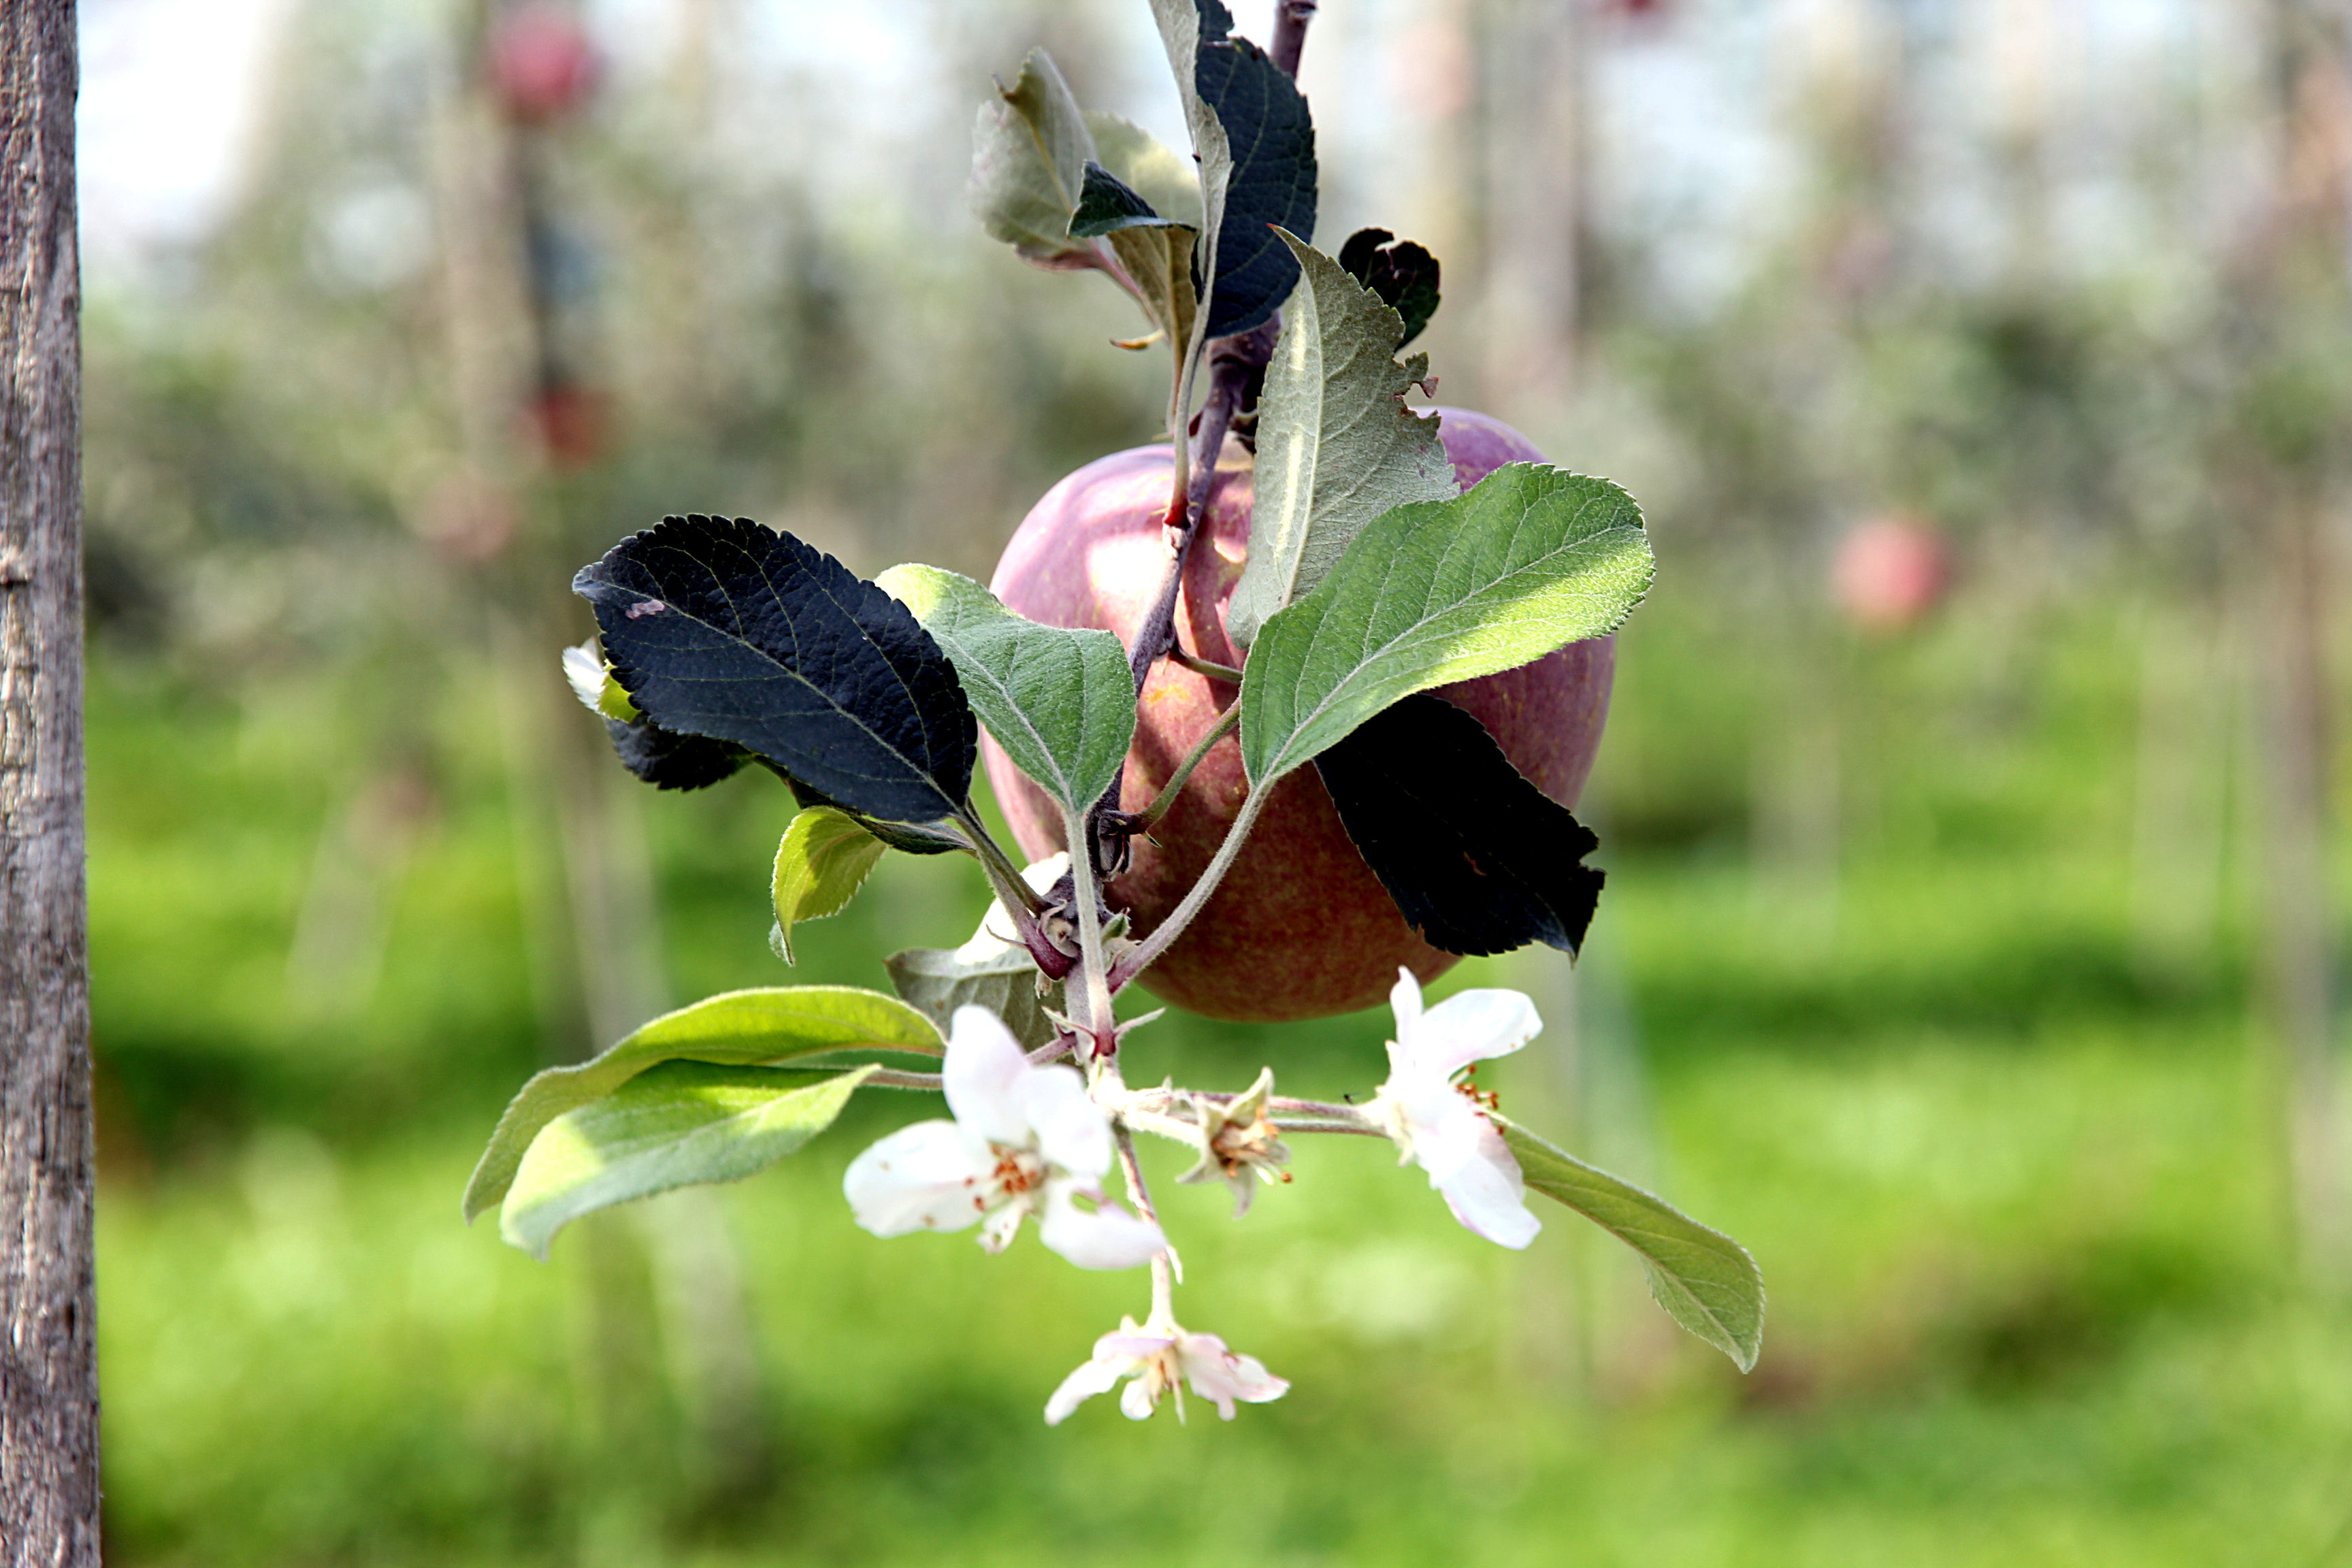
(1025, 1139)
(1443, 1124)
(1239, 1143)
(1160, 1356)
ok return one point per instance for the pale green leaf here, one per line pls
(1336, 444)
(1528, 560)
(765, 1025)
(824, 857)
(1029, 154)
(672, 1126)
(1158, 263)
(938, 981)
(1179, 33)
(592, 681)
(1705, 1280)
(1060, 702)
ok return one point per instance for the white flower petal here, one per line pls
(1071, 1129)
(1405, 1000)
(983, 1075)
(1488, 1194)
(1472, 1026)
(1443, 1127)
(930, 1176)
(1108, 1237)
(1092, 1377)
(1222, 1376)
(996, 1232)
(1135, 1400)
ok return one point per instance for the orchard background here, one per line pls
(1969, 947)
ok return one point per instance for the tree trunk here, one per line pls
(49, 1363)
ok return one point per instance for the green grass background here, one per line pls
(2012, 1180)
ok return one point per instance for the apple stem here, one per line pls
(1144, 821)
(1199, 666)
(1147, 952)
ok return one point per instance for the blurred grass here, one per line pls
(2011, 1185)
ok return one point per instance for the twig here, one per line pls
(1148, 951)
(1165, 1268)
(1290, 19)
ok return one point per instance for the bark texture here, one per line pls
(49, 1361)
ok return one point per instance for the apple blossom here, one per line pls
(1025, 1139)
(1441, 1123)
(1160, 1356)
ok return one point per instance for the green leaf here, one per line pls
(824, 857)
(1336, 444)
(1029, 154)
(766, 1024)
(1705, 1280)
(1060, 702)
(592, 683)
(1527, 560)
(672, 1126)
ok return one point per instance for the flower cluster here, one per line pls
(1031, 1138)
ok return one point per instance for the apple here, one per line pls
(1300, 928)
(1891, 572)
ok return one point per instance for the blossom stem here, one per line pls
(891, 1078)
(1164, 1267)
(1149, 951)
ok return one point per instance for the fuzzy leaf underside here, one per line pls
(727, 630)
(1477, 859)
(765, 1026)
(679, 1124)
(1030, 149)
(1705, 1280)
(1060, 702)
(939, 979)
(1336, 444)
(1184, 26)
(822, 859)
(1403, 274)
(1528, 560)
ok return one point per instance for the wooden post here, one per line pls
(48, 1360)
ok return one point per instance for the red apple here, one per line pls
(1891, 572)
(1300, 928)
